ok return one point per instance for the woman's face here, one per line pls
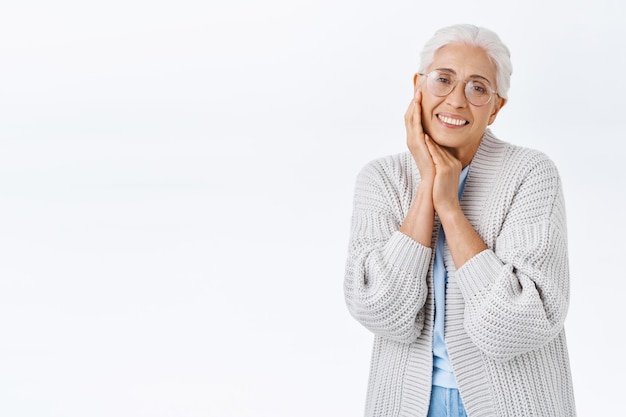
(452, 121)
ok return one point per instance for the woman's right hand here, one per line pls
(418, 223)
(416, 139)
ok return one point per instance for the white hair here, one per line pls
(476, 36)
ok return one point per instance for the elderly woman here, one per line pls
(458, 252)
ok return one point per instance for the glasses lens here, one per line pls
(440, 83)
(478, 92)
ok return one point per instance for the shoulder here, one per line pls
(533, 165)
(389, 168)
(387, 181)
(530, 178)
(520, 161)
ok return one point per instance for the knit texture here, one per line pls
(505, 307)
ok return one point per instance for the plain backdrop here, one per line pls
(176, 184)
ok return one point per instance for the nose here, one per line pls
(457, 98)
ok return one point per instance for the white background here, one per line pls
(176, 182)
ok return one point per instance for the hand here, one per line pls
(416, 139)
(462, 239)
(446, 181)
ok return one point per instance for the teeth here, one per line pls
(450, 121)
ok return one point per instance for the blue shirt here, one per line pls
(442, 370)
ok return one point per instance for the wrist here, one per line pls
(450, 213)
(424, 198)
(426, 185)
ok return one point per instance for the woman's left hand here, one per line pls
(447, 173)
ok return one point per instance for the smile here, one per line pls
(451, 121)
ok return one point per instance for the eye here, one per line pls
(478, 87)
(442, 78)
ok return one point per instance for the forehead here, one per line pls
(465, 60)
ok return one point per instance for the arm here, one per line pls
(461, 238)
(419, 221)
(517, 293)
(385, 285)
(385, 282)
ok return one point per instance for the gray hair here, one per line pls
(476, 36)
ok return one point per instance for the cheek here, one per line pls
(483, 118)
(427, 103)
(428, 109)
(427, 123)
(425, 114)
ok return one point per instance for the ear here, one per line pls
(500, 102)
(416, 84)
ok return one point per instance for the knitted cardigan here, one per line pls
(505, 307)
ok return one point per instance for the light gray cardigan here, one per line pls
(505, 307)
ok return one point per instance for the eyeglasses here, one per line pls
(477, 91)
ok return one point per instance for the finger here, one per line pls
(442, 153)
(417, 118)
(433, 149)
(413, 113)
(417, 141)
(408, 115)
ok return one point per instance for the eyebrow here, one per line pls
(471, 76)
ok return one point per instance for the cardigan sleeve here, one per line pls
(385, 279)
(517, 292)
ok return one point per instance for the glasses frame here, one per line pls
(465, 82)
